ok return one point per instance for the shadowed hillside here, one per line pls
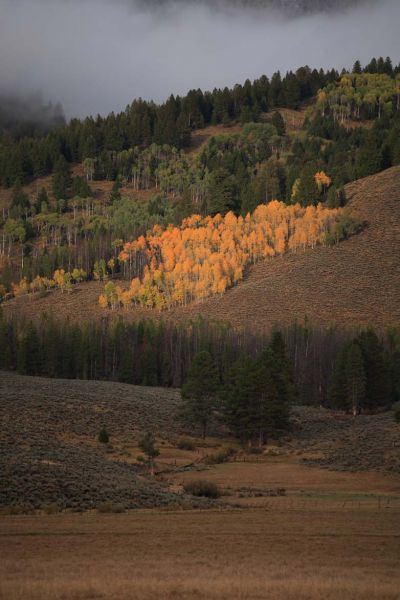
(49, 450)
(353, 284)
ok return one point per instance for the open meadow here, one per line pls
(316, 516)
(290, 552)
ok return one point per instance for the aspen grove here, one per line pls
(205, 256)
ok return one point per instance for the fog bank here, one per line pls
(97, 55)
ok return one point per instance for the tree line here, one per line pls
(252, 400)
(143, 123)
(72, 228)
(323, 360)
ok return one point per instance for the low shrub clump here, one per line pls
(110, 507)
(203, 488)
(185, 443)
(103, 437)
(51, 509)
(220, 457)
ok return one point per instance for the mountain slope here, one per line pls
(356, 283)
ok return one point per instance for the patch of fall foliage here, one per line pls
(205, 256)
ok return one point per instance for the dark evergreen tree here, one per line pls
(61, 179)
(103, 436)
(29, 357)
(338, 387)
(147, 445)
(222, 193)
(42, 203)
(200, 392)
(242, 400)
(292, 91)
(81, 188)
(282, 369)
(377, 392)
(20, 205)
(369, 157)
(307, 193)
(336, 197)
(355, 379)
(275, 392)
(278, 122)
(115, 195)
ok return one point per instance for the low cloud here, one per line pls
(97, 55)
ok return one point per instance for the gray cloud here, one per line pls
(97, 55)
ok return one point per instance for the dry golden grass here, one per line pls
(276, 554)
(335, 535)
(291, 474)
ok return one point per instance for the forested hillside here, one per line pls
(112, 179)
(351, 284)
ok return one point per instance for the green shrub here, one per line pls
(103, 438)
(185, 443)
(204, 488)
(140, 458)
(147, 445)
(344, 228)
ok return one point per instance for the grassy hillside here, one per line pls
(353, 284)
(50, 452)
(356, 283)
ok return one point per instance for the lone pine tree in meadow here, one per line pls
(147, 444)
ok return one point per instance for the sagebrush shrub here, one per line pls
(204, 488)
(185, 443)
(104, 437)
